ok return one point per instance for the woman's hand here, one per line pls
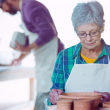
(54, 95)
(105, 96)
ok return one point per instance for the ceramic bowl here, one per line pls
(87, 101)
(83, 95)
(63, 101)
(83, 104)
(79, 95)
(63, 104)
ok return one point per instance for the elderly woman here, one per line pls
(84, 67)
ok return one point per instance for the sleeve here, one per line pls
(58, 76)
(44, 29)
(39, 16)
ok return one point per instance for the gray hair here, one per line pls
(90, 12)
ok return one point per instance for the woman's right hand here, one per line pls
(54, 95)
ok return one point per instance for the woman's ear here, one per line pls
(103, 25)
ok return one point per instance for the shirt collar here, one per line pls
(105, 50)
(77, 50)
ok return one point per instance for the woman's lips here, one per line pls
(90, 44)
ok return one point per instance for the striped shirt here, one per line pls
(65, 62)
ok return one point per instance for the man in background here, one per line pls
(41, 32)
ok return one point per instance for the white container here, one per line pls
(19, 37)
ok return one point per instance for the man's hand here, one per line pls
(54, 95)
(15, 62)
(24, 49)
(105, 96)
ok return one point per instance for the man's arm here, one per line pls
(22, 56)
(41, 20)
(25, 49)
(16, 62)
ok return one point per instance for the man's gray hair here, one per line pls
(90, 12)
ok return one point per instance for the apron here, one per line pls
(89, 77)
(45, 58)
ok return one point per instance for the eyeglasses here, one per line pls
(92, 34)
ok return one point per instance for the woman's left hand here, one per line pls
(105, 96)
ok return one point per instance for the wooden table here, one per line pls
(11, 73)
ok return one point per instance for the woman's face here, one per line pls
(88, 42)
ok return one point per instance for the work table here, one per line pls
(17, 72)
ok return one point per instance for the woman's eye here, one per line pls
(93, 32)
(82, 34)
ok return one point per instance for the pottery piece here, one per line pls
(106, 104)
(19, 37)
(52, 107)
(78, 95)
(83, 95)
(97, 102)
(64, 104)
(82, 105)
(93, 107)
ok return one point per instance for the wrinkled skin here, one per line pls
(54, 95)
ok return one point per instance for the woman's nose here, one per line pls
(88, 37)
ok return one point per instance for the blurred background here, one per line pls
(16, 92)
